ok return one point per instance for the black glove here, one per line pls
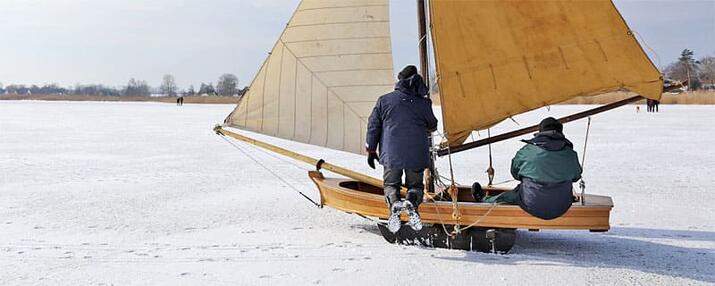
(371, 157)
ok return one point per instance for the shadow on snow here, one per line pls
(618, 248)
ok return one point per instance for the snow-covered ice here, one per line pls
(146, 194)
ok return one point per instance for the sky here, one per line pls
(110, 41)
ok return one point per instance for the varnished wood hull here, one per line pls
(367, 200)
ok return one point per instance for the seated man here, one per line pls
(547, 166)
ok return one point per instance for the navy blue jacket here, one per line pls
(400, 124)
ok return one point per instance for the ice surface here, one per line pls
(146, 194)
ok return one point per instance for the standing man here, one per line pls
(400, 125)
(546, 166)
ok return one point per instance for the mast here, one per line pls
(422, 37)
(424, 69)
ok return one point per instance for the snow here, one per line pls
(145, 194)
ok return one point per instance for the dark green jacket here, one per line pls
(546, 167)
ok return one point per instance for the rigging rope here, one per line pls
(490, 170)
(270, 171)
(582, 183)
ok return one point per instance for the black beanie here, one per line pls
(551, 123)
(407, 72)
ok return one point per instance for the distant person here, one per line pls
(638, 108)
(399, 125)
(649, 104)
(655, 105)
(180, 101)
(547, 166)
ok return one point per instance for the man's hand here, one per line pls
(371, 157)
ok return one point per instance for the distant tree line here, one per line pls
(227, 86)
(699, 73)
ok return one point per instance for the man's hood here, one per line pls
(413, 86)
(551, 140)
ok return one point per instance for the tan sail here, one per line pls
(323, 76)
(496, 59)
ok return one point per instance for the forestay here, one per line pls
(496, 59)
(323, 76)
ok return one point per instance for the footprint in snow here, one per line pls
(338, 269)
(264, 276)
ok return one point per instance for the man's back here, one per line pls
(399, 123)
(546, 167)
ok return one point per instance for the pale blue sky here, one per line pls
(109, 41)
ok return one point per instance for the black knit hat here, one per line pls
(550, 123)
(407, 72)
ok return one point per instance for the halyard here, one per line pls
(146, 194)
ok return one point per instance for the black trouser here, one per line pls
(413, 181)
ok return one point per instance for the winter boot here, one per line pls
(393, 223)
(415, 221)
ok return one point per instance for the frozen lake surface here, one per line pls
(146, 194)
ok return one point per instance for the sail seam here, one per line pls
(359, 85)
(337, 39)
(295, 99)
(353, 70)
(334, 23)
(344, 128)
(327, 113)
(342, 7)
(347, 54)
(263, 92)
(280, 87)
(310, 128)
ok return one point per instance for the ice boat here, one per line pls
(494, 59)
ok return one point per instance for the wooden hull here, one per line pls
(360, 198)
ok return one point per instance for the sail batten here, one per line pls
(323, 76)
(497, 59)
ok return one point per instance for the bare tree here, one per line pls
(191, 90)
(168, 85)
(707, 70)
(207, 89)
(227, 85)
(136, 88)
(685, 69)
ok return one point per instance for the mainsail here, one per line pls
(496, 59)
(323, 76)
